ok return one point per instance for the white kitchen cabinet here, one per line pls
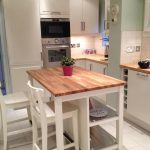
(22, 23)
(81, 63)
(84, 16)
(138, 101)
(19, 77)
(147, 16)
(54, 8)
(93, 66)
(97, 67)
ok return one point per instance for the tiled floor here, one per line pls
(133, 137)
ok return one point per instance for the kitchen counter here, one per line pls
(92, 57)
(82, 80)
(135, 67)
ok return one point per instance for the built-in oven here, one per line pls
(55, 35)
(52, 54)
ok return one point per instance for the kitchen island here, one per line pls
(80, 86)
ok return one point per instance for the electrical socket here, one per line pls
(78, 44)
(129, 49)
(73, 45)
(138, 48)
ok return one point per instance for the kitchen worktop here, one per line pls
(92, 57)
(82, 80)
(135, 67)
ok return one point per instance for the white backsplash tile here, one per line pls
(86, 42)
(130, 39)
(145, 53)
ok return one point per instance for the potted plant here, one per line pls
(67, 64)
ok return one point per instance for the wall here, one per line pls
(125, 32)
(86, 42)
(132, 27)
(145, 53)
(115, 44)
(132, 15)
(131, 46)
(114, 52)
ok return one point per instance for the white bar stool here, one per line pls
(13, 101)
(44, 113)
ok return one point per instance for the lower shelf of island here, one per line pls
(111, 115)
(101, 140)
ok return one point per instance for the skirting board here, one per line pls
(136, 121)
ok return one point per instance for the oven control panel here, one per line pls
(55, 41)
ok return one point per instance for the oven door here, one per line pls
(55, 29)
(52, 55)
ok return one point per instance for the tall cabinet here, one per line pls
(22, 23)
(84, 16)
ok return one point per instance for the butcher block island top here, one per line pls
(81, 81)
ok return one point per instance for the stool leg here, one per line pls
(44, 136)
(35, 132)
(5, 137)
(75, 129)
(29, 114)
(4, 127)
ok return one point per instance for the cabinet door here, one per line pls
(138, 102)
(90, 16)
(76, 23)
(22, 23)
(93, 66)
(147, 16)
(100, 68)
(19, 77)
(80, 63)
(54, 7)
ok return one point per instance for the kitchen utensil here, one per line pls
(144, 64)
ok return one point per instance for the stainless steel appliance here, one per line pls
(55, 41)
(53, 53)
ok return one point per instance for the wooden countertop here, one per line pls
(81, 81)
(92, 57)
(135, 67)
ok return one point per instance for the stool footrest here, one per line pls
(19, 131)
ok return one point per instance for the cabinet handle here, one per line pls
(90, 67)
(105, 26)
(81, 26)
(142, 75)
(84, 26)
(55, 13)
(41, 56)
(104, 71)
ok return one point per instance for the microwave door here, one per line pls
(52, 29)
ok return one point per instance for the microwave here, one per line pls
(55, 28)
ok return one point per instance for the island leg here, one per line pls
(84, 132)
(119, 123)
(59, 123)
